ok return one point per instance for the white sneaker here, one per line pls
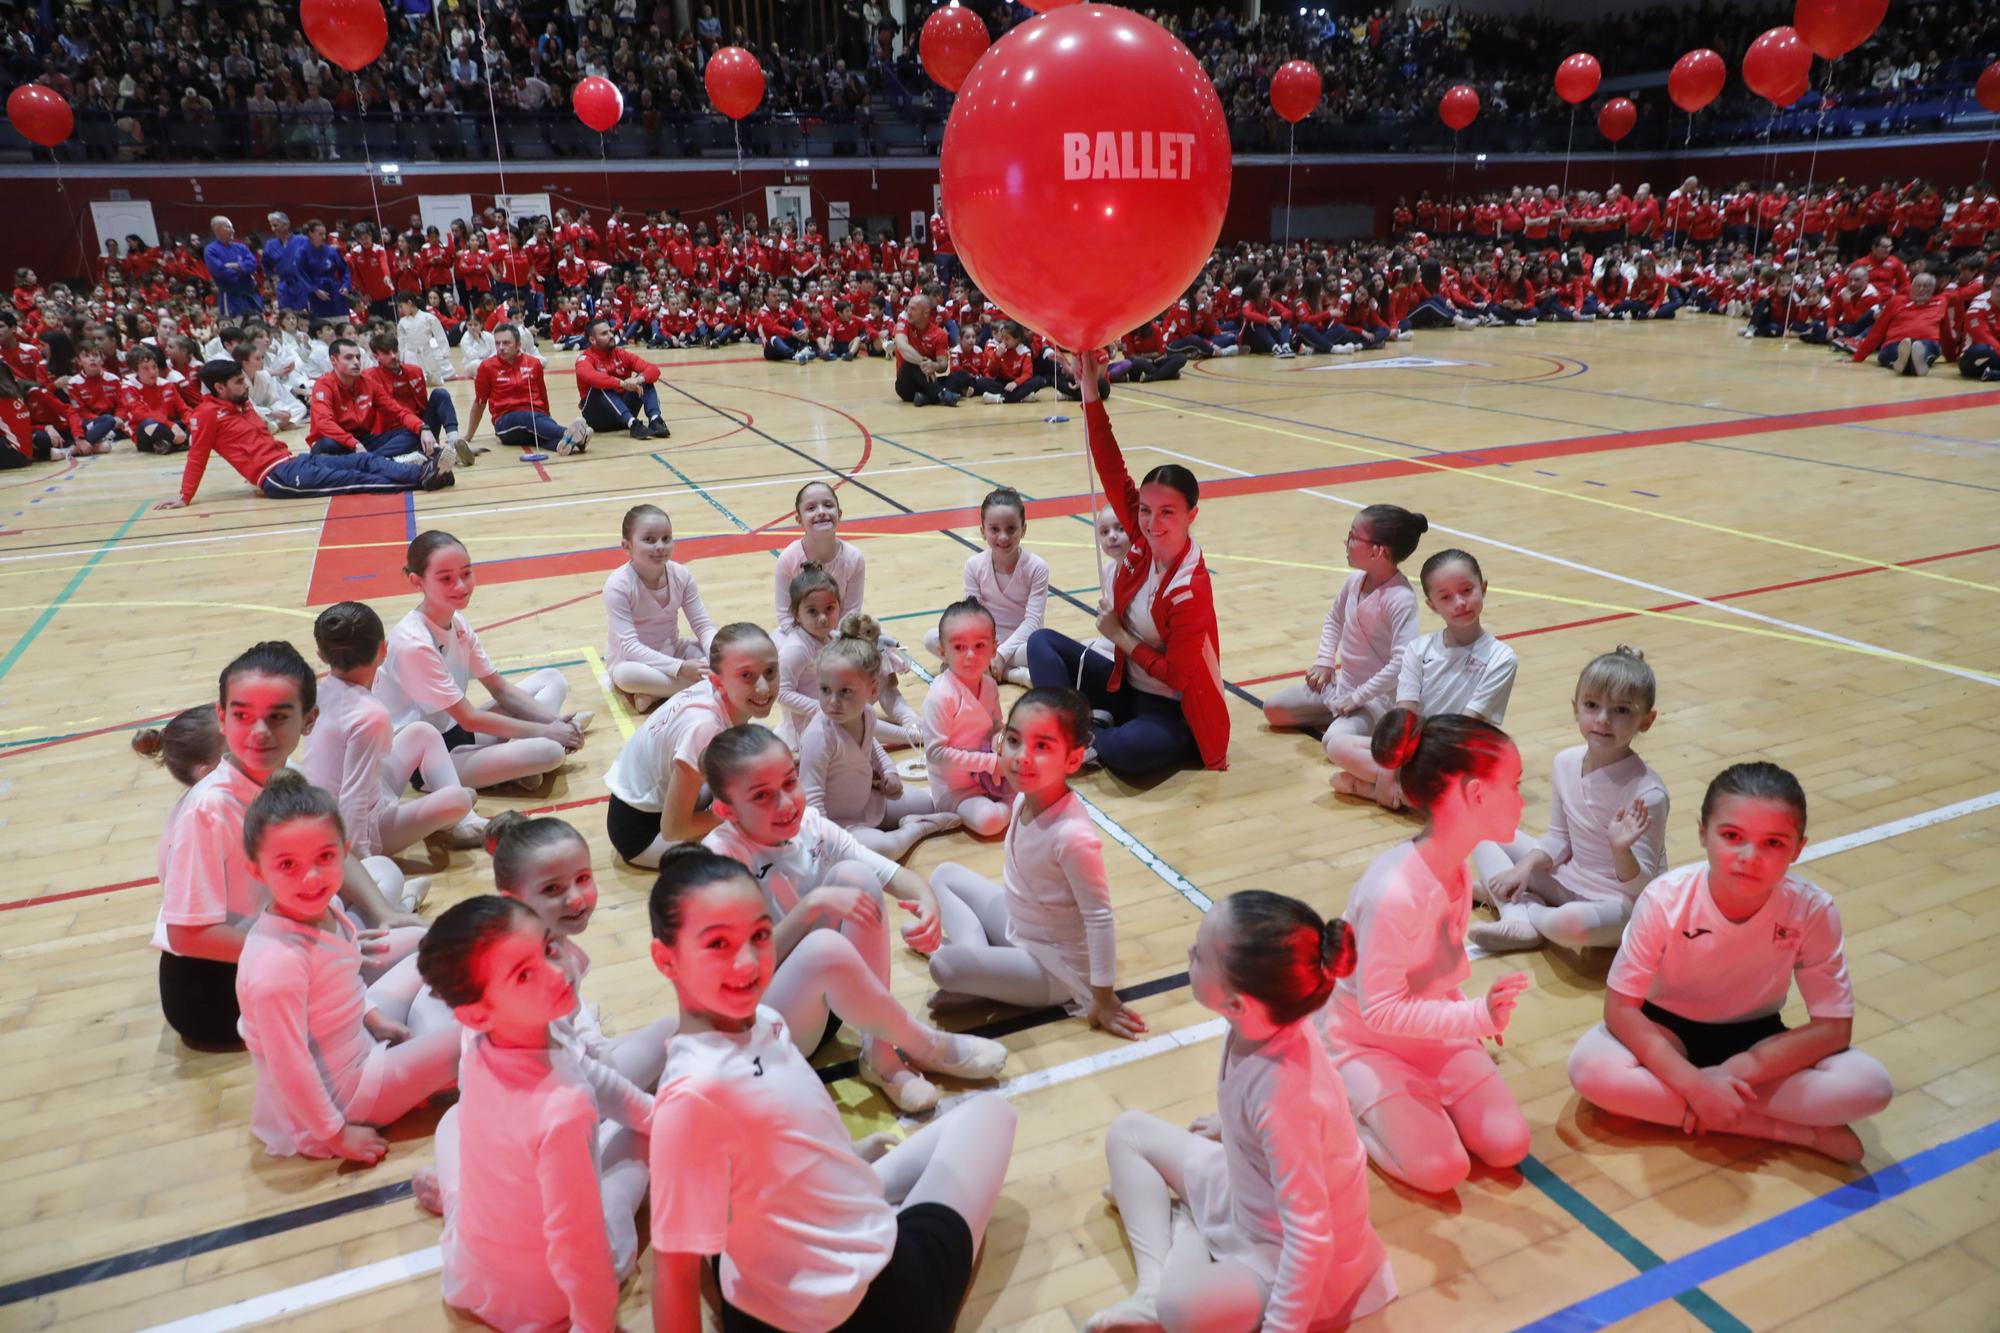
(805, 355)
(1282, 353)
(991, 398)
(1346, 349)
(1461, 322)
(1308, 350)
(1525, 324)
(1588, 319)
(1230, 350)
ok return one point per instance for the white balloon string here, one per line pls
(368, 151)
(1567, 147)
(492, 108)
(1291, 160)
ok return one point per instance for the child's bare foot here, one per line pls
(1347, 784)
(429, 1195)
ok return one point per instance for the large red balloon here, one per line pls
(1459, 106)
(598, 103)
(1086, 172)
(1696, 79)
(735, 82)
(1776, 62)
(953, 38)
(1577, 78)
(1295, 90)
(1832, 28)
(1987, 90)
(40, 114)
(350, 33)
(1616, 118)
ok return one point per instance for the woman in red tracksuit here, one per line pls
(1163, 688)
(1514, 298)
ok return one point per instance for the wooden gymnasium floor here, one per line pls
(1809, 553)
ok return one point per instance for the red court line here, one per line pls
(1719, 597)
(580, 562)
(360, 545)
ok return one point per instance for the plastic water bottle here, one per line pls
(1055, 421)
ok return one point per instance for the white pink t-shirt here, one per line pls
(1364, 634)
(345, 754)
(644, 623)
(801, 1223)
(1285, 1193)
(1018, 600)
(1475, 680)
(677, 732)
(1580, 815)
(525, 1245)
(428, 668)
(798, 682)
(303, 1000)
(848, 567)
(1685, 956)
(205, 875)
(792, 869)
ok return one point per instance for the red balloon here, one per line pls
(1095, 135)
(1616, 118)
(350, 33)
(735, 82)
(598, 103)
(1987, 90)
(1791, 94)
(40, 114)
(1459, 106)
(1697, 79)
(1775, 62)
(1577, 78)
(1044, 6)
(1295, 90)
(1832, 28)
(953, 38)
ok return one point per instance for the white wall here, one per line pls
(1570, 10)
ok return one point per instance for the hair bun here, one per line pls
(148, 742)
(1627, 650)
(1423, 524)
(1336, 948)
(1396, 737)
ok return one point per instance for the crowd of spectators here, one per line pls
(236, 79)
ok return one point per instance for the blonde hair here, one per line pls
(854, 645)
(1620, 676)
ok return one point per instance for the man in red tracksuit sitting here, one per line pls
(227, 424)
(615, 384)
(343, 412)
(1905, 337)
(405, 400)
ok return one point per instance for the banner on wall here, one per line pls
(441, 210)
(118, 218)
(521, 207)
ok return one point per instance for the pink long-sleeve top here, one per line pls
(644, 623)
(961, 721)
(842, 776)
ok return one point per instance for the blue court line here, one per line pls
(1629, 1247)
(410, 515)
(695, 486)
(76, 581)
(1671, 1280)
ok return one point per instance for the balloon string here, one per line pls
(492, 108)
(1291, 160)
(368, 151)
(1567, 147)
(736, 129)
(1086, 367)
(1756, 212)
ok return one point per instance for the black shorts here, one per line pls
(454, 736)
(1709, 1044)
(198, 997)
(919, 1290)
(632, 831)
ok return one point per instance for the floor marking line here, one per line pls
(309, 1295)
(21, 644)
(695, 486)
(1630, 439)
(1869, 649)
(1721, 1257)
(612, 699)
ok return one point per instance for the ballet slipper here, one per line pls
(962, 1056)
(1840, 1143)
(428, 1193)
(1137, 1313)
(1347, 784)
(1513, 932)
(906, 1090)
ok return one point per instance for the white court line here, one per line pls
(371, 1277)
(1727, 608)
(653, 493)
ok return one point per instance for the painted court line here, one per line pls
(1690, 599)
(309, 1295)
(69, 590)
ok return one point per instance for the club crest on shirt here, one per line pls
(1782, 933)
(1697, 932)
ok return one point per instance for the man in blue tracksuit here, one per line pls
(282, 252)
(232, 267)
(324, 273)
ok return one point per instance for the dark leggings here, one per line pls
(913, 386)
(1148, 732)
(1265, 338)
(198, 997)
(1979, 362)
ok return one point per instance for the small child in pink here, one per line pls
(962, 718)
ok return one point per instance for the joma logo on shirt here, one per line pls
(1129, 155)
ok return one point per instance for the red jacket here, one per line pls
(400, 399)
(339, 412)
(239, 435)
(609, 370)
(159, 401)
(96, 396)
(1183, 608)
(372, 272)
(1903, 318)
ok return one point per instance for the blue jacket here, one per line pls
(281, 261)
(238, 281)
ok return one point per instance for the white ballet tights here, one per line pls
(490, 761)
(982, 814)
(958, 1160)
(825, 974)
(1347, 748)
(1430, 1147)
(1847, 1086)
(418, 748)
(902, 826)
(637, 678)
(1557, 915)
(976, 958)
(1193, 1293)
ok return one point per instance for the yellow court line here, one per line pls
(1864, 650)
(121, 606)
(1495, 478)
(619, 713)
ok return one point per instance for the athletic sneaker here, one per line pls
(462, 448)
(947, 398)
(1920, 358)
(1230, 350)
(1346, 349)
(1461, 322)
(447, 458)
(1282, 353)
(432, 478)
(805, 355)
(637, 429)
(658, 428)
(991, 398)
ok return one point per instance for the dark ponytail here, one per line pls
(1428, 754)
